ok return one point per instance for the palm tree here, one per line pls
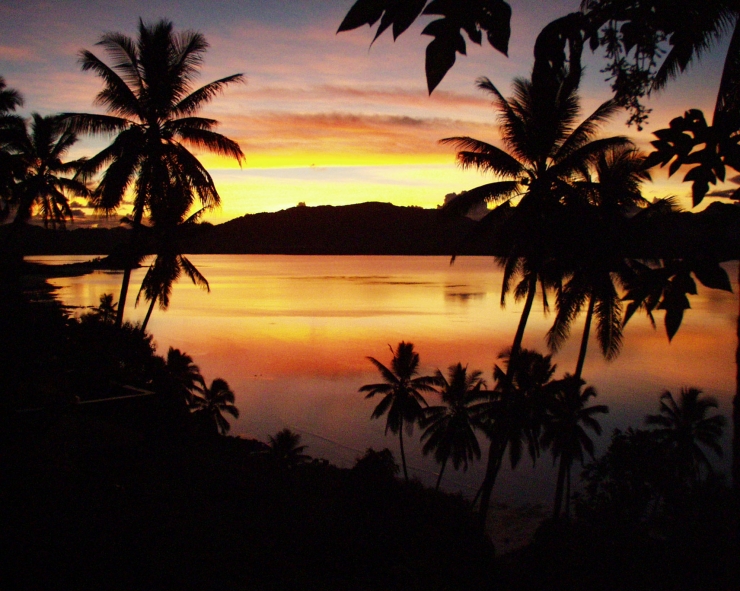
(602, 227)
(10, 130)
(686, 428)
(106, 310)
(169, 263)
(40, 170)
(450, 427)
(547, 152)
(401, 391)
(152, 110)
(564, 432)
(514, 413)
(210, 404)
(286, 450)
(184, 375)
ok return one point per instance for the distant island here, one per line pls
(380, 229)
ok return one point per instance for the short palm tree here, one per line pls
(41, 182)
(513, 415)
(564, 432)
(286, 449)
(153, 110)
(450, 427)
(210, 404)
(686, 428)
(402, 393)
(184, 375)
(106, 310)
(169, 262)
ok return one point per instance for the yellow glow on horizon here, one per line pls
(308, 159)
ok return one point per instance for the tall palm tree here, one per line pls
(402, 393)
(40, 168)
(564, 432)
(687, 428)
(286, 449)
(547, 152)
(602, 226)
(152, 108)
(450, 428)
(513, 415)
(210, 404)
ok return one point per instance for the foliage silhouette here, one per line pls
(11, 127)
(450, 428)
(593, 270)
(686, 428)
(473, 16)
(564, 432)
(285, 449)
(402, 393)
(209, 404)
(153, 110)
(514, 413)
(547, 152)
(40, 171)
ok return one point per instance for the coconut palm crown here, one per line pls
(402, 393)
(152, 112)
(450, 427)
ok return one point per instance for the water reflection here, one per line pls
(291, 334)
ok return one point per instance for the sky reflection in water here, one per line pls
(291, 334)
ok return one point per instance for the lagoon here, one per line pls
(291, 335)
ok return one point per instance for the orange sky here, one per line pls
(323, 119)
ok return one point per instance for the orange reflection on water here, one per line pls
(291, 334)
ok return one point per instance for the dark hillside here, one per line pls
(365, 228)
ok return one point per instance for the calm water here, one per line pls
(291, 335)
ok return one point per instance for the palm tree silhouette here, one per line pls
(547, 152)
(603, 227)
(564, 432)
(401, 391)
(169, 262)
(687, 428)
(40, 170)
(11, 127)
(210, 404)
(184, 375)
(450, 427)
(152, 108)
(286, 450)
(514, 413)
(106, 310)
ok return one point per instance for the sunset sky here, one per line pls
(323, 118)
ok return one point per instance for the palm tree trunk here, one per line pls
(148, 314)
(403, 455)
(441, 471)
(736, 407)
(129, 265)
(559, 488)
(567, 491)
(517, 345)
(584, 339)
(495, 457)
